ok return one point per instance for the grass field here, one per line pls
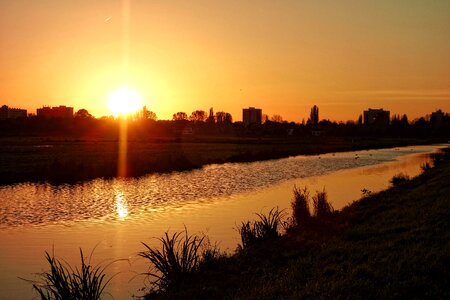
(69, 160)
(393, 244)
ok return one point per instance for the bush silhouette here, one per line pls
(399, 179)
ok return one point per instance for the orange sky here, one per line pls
(281, 56)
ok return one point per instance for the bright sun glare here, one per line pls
(124, 101)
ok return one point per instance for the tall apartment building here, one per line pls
(251, 115)
(379, 117)
(437, 116)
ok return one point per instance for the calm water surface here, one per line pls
(114, 216)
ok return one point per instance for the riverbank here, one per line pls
(393, 244)
(57, 160)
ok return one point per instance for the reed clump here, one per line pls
(65, 282)
(301, 214)
(267, 227)
(322, 207)
(180, 255)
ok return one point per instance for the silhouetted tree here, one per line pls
(223, 117)
(147, 114)
(405, 120)
(83, 114)
(277, 119)
(198, 116)
(314, 116)
(395, 119)
(179, 116)
(360, 120)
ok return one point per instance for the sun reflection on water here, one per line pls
(121, 205)
(119, 199)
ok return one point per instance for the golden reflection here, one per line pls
(123, 146)
(123, 126)
(121, 205)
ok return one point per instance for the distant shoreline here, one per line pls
(61, 161)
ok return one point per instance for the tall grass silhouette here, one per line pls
(267, 227)
(322, 207)
(178, 256)
(65, 282)
(301, 214)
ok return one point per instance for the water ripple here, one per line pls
(31, 203)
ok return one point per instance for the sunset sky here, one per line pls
(281, 56)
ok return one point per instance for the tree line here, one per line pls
(146, 124)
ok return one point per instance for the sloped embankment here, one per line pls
(394, 244)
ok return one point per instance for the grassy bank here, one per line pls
(393, 244)
(69, 160)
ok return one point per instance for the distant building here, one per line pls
(61, 111)
(437, 117)
(378, 117)
(12, 113)
(3, 112)
(211, 118)
(251, 115)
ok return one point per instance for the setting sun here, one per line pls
(193, 142)
(124, 101)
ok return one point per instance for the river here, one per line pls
(114, 216)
